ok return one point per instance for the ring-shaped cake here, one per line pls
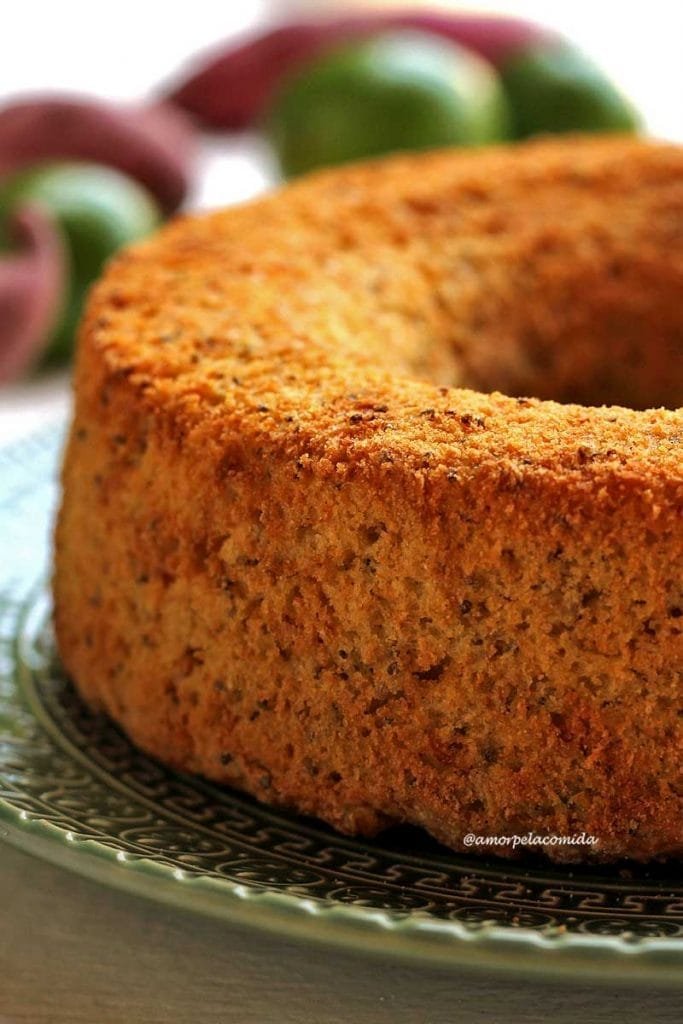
(355, 517)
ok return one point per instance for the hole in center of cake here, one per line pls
(577, 323)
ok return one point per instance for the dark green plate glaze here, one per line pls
(74, 790)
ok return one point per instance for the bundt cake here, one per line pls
(355, 516)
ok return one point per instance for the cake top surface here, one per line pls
(376, 313)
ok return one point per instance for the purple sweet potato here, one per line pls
(32, 281)
(231, 88)
(154, 144)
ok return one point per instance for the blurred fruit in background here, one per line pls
(97, 210)
(153, 143)
(80, 177)
(557, 88)
(32, 283)
(140, 166)
(396, 91)
(232, 87)
(330, 90)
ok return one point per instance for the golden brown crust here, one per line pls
(291, 557)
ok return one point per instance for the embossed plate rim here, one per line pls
(413, 935)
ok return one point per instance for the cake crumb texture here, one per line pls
(318, 543)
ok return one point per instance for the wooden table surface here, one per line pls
(73, 952)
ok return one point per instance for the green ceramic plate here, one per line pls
(74, 790)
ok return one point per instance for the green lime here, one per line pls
(402, 90)
(98, 209)
(558, 89)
